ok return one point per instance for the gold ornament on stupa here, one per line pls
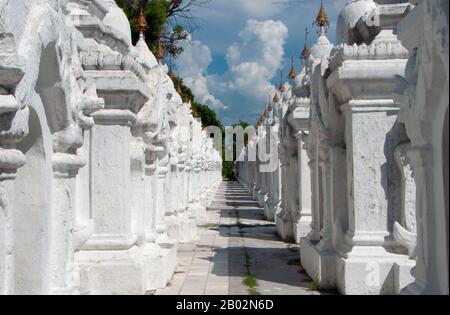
(282, 88)
(179, 91)
(142, 22)
(159, 51)
(276, 98)
(322, 17)
(292, 73)
(305, 53)
(171, 74)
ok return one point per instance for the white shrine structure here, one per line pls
(360, 143)
(103, 168)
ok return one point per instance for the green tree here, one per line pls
(170, 21)
(185, 92)
(209, 118)
(207, 115)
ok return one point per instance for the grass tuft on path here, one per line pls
(314, 286)
(250, 281)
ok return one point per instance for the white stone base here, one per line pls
(261, 199)
(285, 226)
(302, 228)
(111, 272)
(270, 211)
(254, 193)
(64, 291)
(182, 228)
(371, 270)
(165, 267)
(137, 271)
(159, 266)
(320, 265)
(198, 211)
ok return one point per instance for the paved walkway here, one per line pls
(239, 253)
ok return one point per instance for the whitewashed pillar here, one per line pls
(13, 127)
(150, 202)
(304, 223)
(10, 161)
(62, 271)
(161, 182)
(314, 235)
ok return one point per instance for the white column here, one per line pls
(109, 261)
(303, 224)
(10, 161)
(62, 271)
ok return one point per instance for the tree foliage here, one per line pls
(185, 92)
(207, 115)
(209, 118)
(170, 21)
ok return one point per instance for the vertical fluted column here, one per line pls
(10, 161)
(314, 235)
(161, 182)
(150, 202)
(303, 223)
(13, 127)
(327, 213)
(62, 273)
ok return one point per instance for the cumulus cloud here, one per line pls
(254, 61)
(247, 59)
(260, 9)
(192, 66)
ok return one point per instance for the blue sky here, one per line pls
(233, 60)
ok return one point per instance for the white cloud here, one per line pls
(239, 51)
(256, 59)
(253, 61)
(261, 8)
(192, 66)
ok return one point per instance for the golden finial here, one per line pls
(159, 50)
(322, 17)
(305, 53)
(276, 98)
(282, 89)
(142, 22)
(171, 74)
(292, 73)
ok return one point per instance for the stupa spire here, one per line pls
(292, 73)
(159, 50)
(282, 88)
(142, 22)
(322, 19)
(305, 53)
(171, 74)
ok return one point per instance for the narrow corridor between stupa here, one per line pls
(238, 253)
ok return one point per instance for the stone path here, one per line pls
(239, 253)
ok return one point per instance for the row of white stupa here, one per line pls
(103, 168)
(360, 148)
